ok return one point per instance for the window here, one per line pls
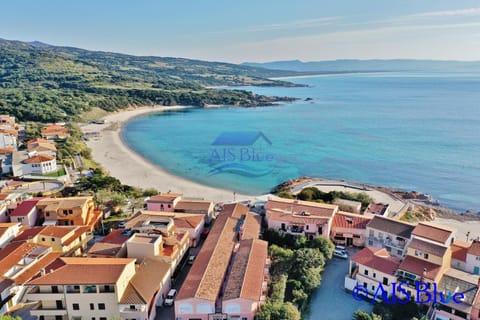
(103, 318)
(425, 255)
(307, 227)
(93, 318)
(101, 306)
(54, 289)
(75, 306)
(43, 239)
(64, 211)
(47, 214)
(374, 275)
(53, 239)
(70, 211)
(399, 252)
(418, 253)
(477, 258)
(92, 306)
(371, 233)
(365, 272)
(385, 281)
(373, 288)
(380, 235)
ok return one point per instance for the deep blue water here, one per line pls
(411, 131)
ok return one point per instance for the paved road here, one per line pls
(331, 301)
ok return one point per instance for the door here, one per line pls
(476, 270)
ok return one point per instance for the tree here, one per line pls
(278, 288)
(8, 317)
(289, 312)
(306, 258)
(281, 260)
(278, 311)
(362, 315)
(324, 245)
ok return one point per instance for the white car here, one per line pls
(122, 225)
(170, 297)
(340, 254)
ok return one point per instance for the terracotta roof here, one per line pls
(39, 158)
(28, 234)
(53, 204)
(42, 146)
(164, 197)
(193, 205)
(392, 226)
(6, 150)
(376, 208)
(35, 269)
(459, 250)
(4, 196)
(53, 128)
(432, 232)
(206, 276)
(104, 249)
(252, 226)
(460, 281)
(296, 207)
(428, 247)
(475, 248)
(39, 140)
(85, 271)
(24, 208)
(416, 266)
(79, 231)
(377, 259)
(115, 237)
(57, 231)
(350, 220)
(146, 282)
(189, 222)
(14, 252)
(247, 274)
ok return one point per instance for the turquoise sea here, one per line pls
(412, 131)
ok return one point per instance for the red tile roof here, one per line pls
(475, 248)
(40, 158)
(378, 259)
(28, 234)
(459, 250)
(115, 237)
(350, 220)
(428, 247)
(416, 266)
(25, 207)
(297, 207)
(164, 197)
(432, 232)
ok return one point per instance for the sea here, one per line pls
(405, 130)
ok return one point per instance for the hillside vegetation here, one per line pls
(40, 82)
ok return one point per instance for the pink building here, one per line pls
(163, 202)
(200, 296)
(349, 229)
(298, 217)
(26, 213)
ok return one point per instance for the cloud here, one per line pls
(470, 12)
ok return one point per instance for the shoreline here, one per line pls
(115, 156)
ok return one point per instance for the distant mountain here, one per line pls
(42, 82)
(369, 65)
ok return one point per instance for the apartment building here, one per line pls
(349, 229)
(8, 231)
(298, 217)
(388, 233)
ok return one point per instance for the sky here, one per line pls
(253, 31)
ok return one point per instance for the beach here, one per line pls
(110, 151)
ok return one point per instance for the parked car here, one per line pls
(340, 254)
(122, 225)
(341, 248)
(191, 258)
(205, 233)
(170, 297)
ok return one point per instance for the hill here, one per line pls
(41, 82)
(341, 66)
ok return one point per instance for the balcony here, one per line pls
(48, 311)
(396, 245)
(129, 309)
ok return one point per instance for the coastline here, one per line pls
(120, 161)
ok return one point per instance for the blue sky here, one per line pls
(246, 30)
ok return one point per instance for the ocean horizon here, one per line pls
(403, 130)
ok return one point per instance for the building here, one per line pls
(69, 240)
(7, 121)
(8, 231)
(8, 140)
(19, 263)
(8, 203)
(42, 146)
(6, 159)
(378, 209)
(371, 267)
(433, 232)
(457, 281)
(426, 261)
(472, 262)
(298, 217)
(392, 234)
(247, 283)
(349, 229)
(81, 288)
(71, 211)
(113, 245)
(459, 254)
(163, 202)
(203, 207)
(54, 131)
(202, 291)
(146, 290)
(26, 212)
(26, 163)
(190, 222)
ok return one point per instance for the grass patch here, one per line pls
(58, 173)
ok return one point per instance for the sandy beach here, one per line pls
(132, 169)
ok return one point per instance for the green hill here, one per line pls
(40, 82)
